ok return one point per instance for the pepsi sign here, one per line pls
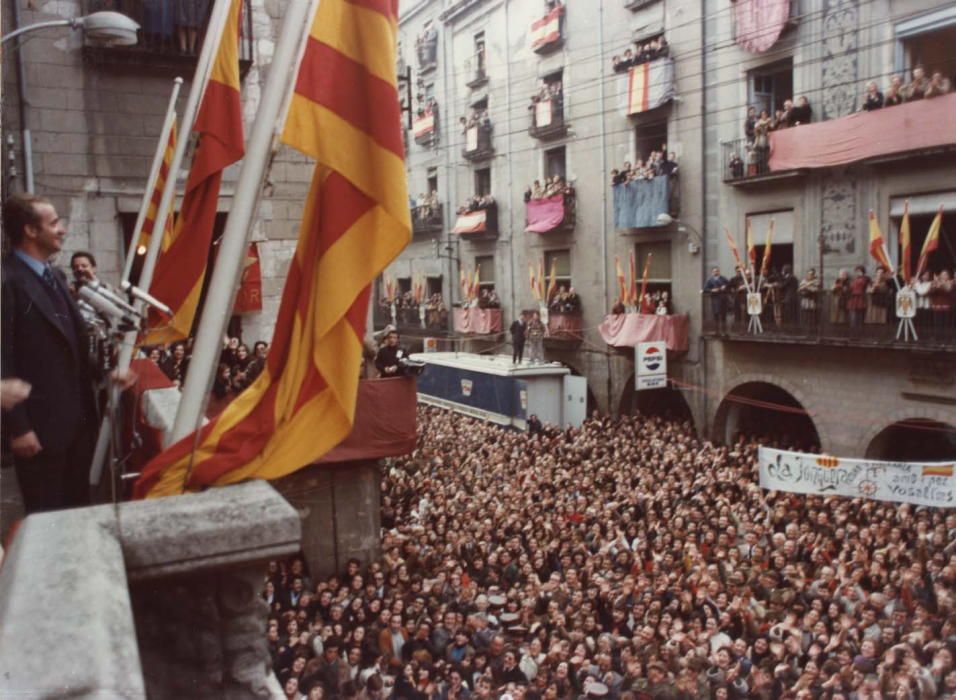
(650, 364)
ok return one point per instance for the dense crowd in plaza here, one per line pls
(626, 559)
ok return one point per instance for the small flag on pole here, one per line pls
(931, 243)
(146, 231)
(877, 244)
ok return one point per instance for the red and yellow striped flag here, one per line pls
(345, 114)
(643, 297)
(621, 281)
(181, 269)
(146, 230)
(532, 278)
(906, 245)
(931, 243)
(632, 287)
(877, 246)
(767, 252)
(552, 281)
(751, 248)
(541, 280)
(733, 248)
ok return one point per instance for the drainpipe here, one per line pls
(23, 102)
(703, 199)
(604, 260)
(511, 209)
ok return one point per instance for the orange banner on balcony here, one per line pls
(472, 222)
(908, 127)
(547, 29)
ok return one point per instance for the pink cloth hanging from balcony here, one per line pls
(907, 127)
(627, 330)
(544, 215)
(477, 321)
(759, 23)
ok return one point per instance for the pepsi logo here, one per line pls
(653, 358)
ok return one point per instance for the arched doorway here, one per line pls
(767, 411)
(914, 440)
(668, 403)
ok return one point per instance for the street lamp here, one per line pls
(102, 28)
(693, 246)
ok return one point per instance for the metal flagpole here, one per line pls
(234, 242)
(153, 177)
(217, 22)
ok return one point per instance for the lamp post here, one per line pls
(103, 28)
(693, 247)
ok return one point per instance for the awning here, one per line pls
(912, 126)
(472, 222)
(547, 29)
(649, 85)
(543, 215)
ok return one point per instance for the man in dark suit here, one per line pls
(51, 433)
(517, 329)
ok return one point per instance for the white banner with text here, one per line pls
(919, 483)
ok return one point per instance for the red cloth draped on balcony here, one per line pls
(478, 321)
(759, 23)
(564, 325)
(907, 127)
(627, 330)
(472, 222)
(544, 215)
(384, 422)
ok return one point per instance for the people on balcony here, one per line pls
(641, 53)
(880, 295)
(808, 291)
(553, 91)
(478, 117)
(552, 187)
(426, 207)
(488, 299)
(897, 93)
(840, 297)
(566, 301)
(873, 98)
(190, 17)
(658, 163)
(938, 85)
(476, 203)
(894, 93)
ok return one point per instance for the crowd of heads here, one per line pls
(658, 163)
(408, 311)
(897, 92)
(548, 91)
(238, 367)
(477, 117)
(478, 202)
(488, 298)
(426, 207)
(627, 559)
(552, 187)
(642, 52)
(565, 300)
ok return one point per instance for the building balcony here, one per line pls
(547, 33)
(478, 145)
(550, 214)
(477, 221)
(415, 320)
(475, 67)
(638, 204)
(564, 329)
(824, 319)
(547, 119)
(425, 127)
(426, 51)
(635, 5)
(914, 129)
(474, 320)
(427, 219)
(158, 51)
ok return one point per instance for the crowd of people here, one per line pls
(658, 163)
(560, 564)
(478, 202)
(552, 187)
(654, 301)
(642, 52)
(548, 91)
(426, 208)
(897, 92)
(565, 301)
(409, 312)
(855, 299)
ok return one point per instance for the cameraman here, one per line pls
(390, 359)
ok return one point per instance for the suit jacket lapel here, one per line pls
(40, 297)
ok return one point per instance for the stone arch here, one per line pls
(872, 445)
(670, 402)
(752, 385)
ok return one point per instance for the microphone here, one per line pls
(146, 298)
(111, 296)
(105, 306)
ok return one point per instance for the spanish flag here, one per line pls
(344, 114)
(877, 247)
(767, 251)
(906, 246)
(532, 278)
(146, 230)
(931, 243)
(181, 269)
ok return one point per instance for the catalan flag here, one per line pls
(906, 245)
(647, 269)
(345, 115)
(553, 281)
(733, 248)
(621, 281)
(146, 230)
(751, 248)
(931, 243)
(632, 287)
(767, 252)
(533, 279)
(938, 470)
(181, 269)
(877, 246)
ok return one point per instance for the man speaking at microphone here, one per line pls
(52, 432)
